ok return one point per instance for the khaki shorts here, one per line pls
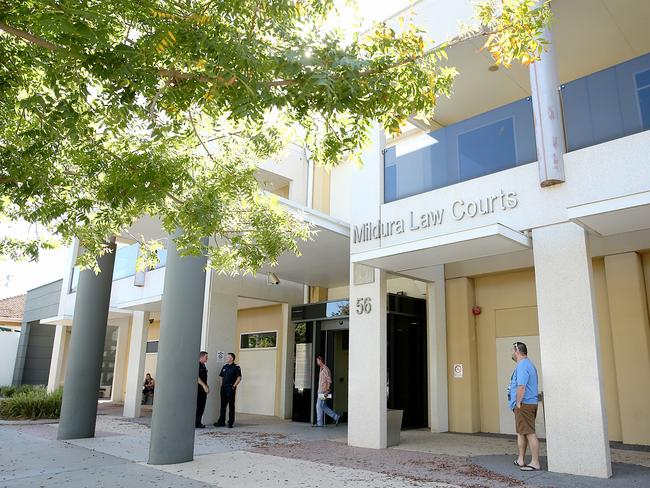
(525, 418)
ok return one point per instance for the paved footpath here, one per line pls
(270, 453)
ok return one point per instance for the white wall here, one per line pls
(256, 393)
(8, 351)
(292, 165)
(341, 191)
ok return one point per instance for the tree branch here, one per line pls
(26, 36)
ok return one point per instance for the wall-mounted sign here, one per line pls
(458, 370)
(221, 356)
(303, 366)
(457, 210)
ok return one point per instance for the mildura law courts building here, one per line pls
(521, 212)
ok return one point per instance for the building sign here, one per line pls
(458, 210)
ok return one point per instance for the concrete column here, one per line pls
(121, 359)
(135, 371)
(58, 353)
(288, 361)
(574, 403)
(437, 353)
(462, 357)
(628, 312)
(367, 374)
(221, 336)
(547, 113)
(172, 425)
(84, 368)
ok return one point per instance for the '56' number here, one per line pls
(364, 305)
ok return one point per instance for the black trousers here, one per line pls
(227, 398)
(201, 397)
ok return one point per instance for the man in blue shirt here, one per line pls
(522, 397)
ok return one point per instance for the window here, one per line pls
(338, 309)
(258, 340)
(643, 93)
(152, 347)
(486, 150)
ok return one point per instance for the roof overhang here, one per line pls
(615, 215)
(324, 260)
(411, 258)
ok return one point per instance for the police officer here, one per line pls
(202, 394)
(230, 378)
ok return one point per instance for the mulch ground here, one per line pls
(410, 465)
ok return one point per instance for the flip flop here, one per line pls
(517, 464)
(528, 467)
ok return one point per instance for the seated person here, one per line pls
(147, 392)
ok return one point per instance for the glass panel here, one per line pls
(642, 79)
(338, 309)
(487, 150)
(493, 141)
(644, 106)
(390, 183)
(258, 340)
(125, 258)
(75, 279)
(608, 104)
(152, 346)
(162, 256)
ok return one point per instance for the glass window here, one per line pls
(258, 340)
(338, 309)
(152, 346)
(486, 150)
(643, 93)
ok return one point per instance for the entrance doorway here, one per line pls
(407, 359)
(323, 328)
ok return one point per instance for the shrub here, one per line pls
(11, 390)
(32, 404)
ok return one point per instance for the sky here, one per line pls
(18, 277)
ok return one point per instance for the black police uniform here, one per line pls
(229, 373)
(201, 396)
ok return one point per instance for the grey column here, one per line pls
(174, 413)
(81, 385)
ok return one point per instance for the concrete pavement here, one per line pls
(264, 451)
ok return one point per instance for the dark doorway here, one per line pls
(407, 359)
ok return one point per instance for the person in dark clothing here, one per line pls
(230, 379)
(202, 394)
(147, 390)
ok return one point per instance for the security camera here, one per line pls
(272, 279)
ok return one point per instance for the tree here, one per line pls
(111, 110)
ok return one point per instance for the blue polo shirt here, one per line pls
(525, 374)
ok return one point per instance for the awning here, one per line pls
(475, 243)
(615, 215)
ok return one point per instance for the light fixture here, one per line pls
(272, 279)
